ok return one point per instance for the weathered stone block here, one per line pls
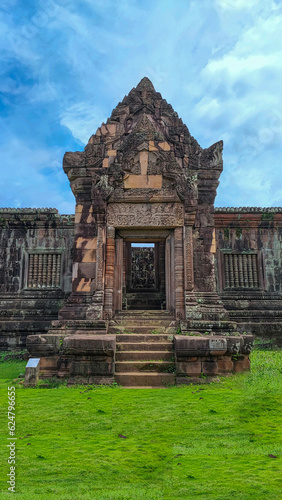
(49, 363)
(143, 181)
(209, 367)
(92, 365)
(86, 256)
(191, 368)
(86, 243)
(225, 364)
(86, 270)
(217, 346)
(82, 284)
(102, 366)
(199, 346)
(101, 380)
(248, 343)
(45, 344)
(241, 364)
(234, 344)
(90, 344)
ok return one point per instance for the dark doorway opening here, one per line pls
(144, 276)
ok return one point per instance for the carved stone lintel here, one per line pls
(142, 215)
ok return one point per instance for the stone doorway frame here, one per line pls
(174, 265)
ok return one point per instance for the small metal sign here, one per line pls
(33, 363)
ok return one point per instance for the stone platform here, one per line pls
(139, 349)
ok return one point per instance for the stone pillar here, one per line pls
(118, 281)
(99, 285)
(188, 255)
(179, 272)
(109, 272)
(95, 310)
(162, 266)
(190, 300)
(170, 273)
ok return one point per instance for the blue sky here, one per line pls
(67, 63)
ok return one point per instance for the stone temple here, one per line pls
(148, 283)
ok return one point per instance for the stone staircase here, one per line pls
(143, 358)
(143, 301)
(143, 321)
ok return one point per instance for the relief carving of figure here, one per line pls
(217, 155)
(101, 187)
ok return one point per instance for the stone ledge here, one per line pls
(90, 344)
(186, 346)
(28, 210)
(259, 210)
(45, 344)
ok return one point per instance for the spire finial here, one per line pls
(145, 84)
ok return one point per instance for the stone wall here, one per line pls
(239, 232)
(249, 267)
(35, 271)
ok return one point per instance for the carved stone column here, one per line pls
(109, 272)
(179, 272)
(95, 310)
(190, 300)
(188, 253)
(118, 274)
(99, 285)
(169, 273)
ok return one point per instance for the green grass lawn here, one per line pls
(217, 441)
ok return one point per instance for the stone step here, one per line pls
(255, 314)
(143, 297)
(80, 324)
(131, 337)
(34, 313)
(76, 331)
(143, 322)
(145, 355)
(11, 324)
(200, 325)
(144, 312)
(144, 366)
(143, 304)
(138, 346)
(145, 379)
(143, 330)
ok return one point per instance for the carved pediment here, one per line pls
(145, 150)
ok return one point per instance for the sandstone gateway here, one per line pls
(148, 284)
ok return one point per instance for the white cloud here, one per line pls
(237, 66)
(33, 175)
(82, 120)
(236, 4)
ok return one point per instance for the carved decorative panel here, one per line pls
(44, 270)
(241, 270)
(145, 215)
(143, 268)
